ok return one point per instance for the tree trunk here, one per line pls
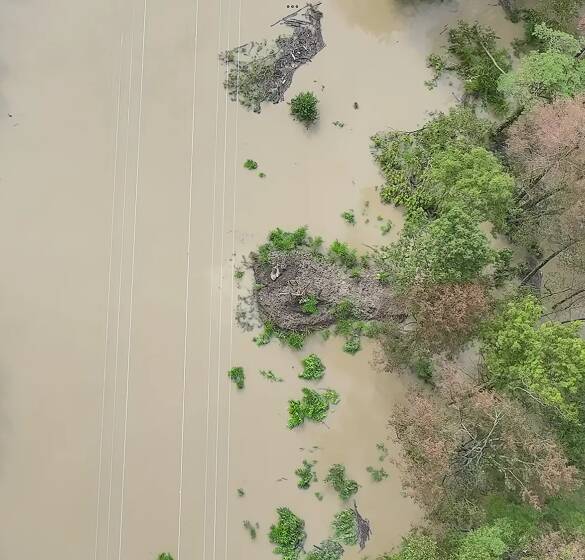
(545, 262)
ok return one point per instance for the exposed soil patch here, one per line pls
(293, 276)
(261, 72)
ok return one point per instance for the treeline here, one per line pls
(495, 456)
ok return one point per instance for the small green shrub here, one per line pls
(251, 528)
(236, 374)
(326, 550)
(345, 528)
(306, 474)
(266, 335)
(304, 108)
(241, 493)
(378, 475)
(312, 406)
(342, 254)
(344, 486)
(381, 447)
(309, 304)
(271, 376)
(349, 217)
(422, 367)
(313, 368)
(238, 274)
(344, 309)
(288, 534)
(386, 227)
(250, 164)
(295, 340)
(352, 345)
(165, 556)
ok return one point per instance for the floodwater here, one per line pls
(124, 209)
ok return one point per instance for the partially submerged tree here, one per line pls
(303, 108)
(541, 363)
(473, 442)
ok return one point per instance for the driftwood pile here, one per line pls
(259, 72)
(292, 276)
(364, 532)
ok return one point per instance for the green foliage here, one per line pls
(503, 268)
(303, 107)
(238, 274)
(250, 164)
(309, 304)
(352, 345)
(165, 556)
(236, 374)
(449, 249)
(477, 60)
(378, 475)
(343, 310)
(349, 217)
(386, 227)
(567, 512)
(251, 528)
(293, 339)
(342, 254)
(266, 335)
(326, 550)
(545, 362)
(422, 367)
(313, 368)
(262, 175)
(344, 486)
(416, 547)
(241, 492)
(319, 496)
(306, 474)
(288, 534)
(485, 543)
(404, 157)
(312, 406)
(473, 179)
(553, 72)
(271, 376)
(381, 447)
(344, 527)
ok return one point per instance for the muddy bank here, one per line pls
(292, 277)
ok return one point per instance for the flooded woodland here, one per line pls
(127, 216)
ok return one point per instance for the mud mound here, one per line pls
(292, 276)
(260, 72)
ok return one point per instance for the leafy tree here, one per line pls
(446, 315)
(554, 72)
(403, 157)
(344, 486)
(288, 534)
(543, 362)
(303, 107)
(450, 249)
(480, 442)
(471, 178)
(476, 58)
(485, 543)
(416, 547)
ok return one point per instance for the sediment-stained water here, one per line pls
(124, 209)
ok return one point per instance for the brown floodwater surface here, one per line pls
(124, 209)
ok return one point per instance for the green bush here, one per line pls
(312, 406)
(313, 368)
(288, 534)
(250, 164)
(326, 550)
(236, 374)
(306, 474)
(344, 527)
(342, 254)
(304, 107)
(309, 304)
(344, 486)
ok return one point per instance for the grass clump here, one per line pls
(306, 474)
(386, 227)
(165, 556)
(352, 345)
(293, 339)
(251, 528)
(326, 550)
(313, 368)
(304, 108)
(271, 376)
(250, 164)
(241, 493)
(345, 528)
(344, 486)
(288, 534)
(309, 304)
(349, 217)
(378, 475)
(312, 406)
(236, 374)
(281, 240)
(342, 254)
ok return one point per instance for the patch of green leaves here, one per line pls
(326, 550)
(349, 217)
(309, 304)
(250, 164)
(236, 374)
(251, 528)
(271, 376)
(378, 475)
(312, 406)
(313, 368)
(304, 108)
(288, 534)
(345, 528)
(306, 474)
(344, 486)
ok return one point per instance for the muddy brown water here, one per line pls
(121, 214)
